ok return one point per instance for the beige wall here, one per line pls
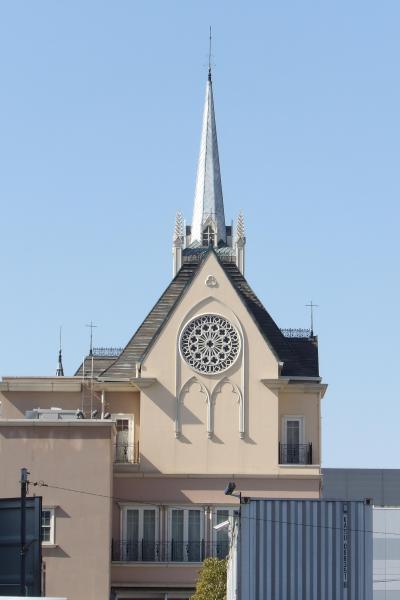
(304, 403)
(181, 394)
(77, 457)
(125, 403)
(15, 404)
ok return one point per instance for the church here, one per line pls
(135, 450)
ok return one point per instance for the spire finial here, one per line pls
(60, 368)
(209, 57)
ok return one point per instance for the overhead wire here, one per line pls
(214, 510)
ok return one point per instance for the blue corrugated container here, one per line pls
(301, 550)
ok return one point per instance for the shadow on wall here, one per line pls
(54, 552)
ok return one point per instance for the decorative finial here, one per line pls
(179, 228)
(91, 337)
(311, 306)
(209, 58)
(240, 230)
(60, 369)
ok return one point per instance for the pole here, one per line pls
(24, 489)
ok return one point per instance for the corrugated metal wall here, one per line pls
(305, 550)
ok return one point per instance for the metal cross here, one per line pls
(91, 336)
(311, 306)
(209, 53)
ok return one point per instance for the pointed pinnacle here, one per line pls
(240, 229)
(178, 229)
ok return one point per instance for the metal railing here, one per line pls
(295, 454)
(126, 453)
(172, 551)
(109, 352)
(296, 333)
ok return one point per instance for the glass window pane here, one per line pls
(177, 541)
(194, 542)
(132, 534)
(293, 432)
(149, 534)
(46, 526)
(222, 546)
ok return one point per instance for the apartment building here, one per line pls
(143, 440)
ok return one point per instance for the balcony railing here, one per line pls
(126, 453)
(295, 454)
(173, 551)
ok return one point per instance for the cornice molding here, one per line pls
(296, 385)
(41, 384)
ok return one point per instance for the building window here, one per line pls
(293, 449)
(140, 534)
(48, 526)
(208, 236)
(124, 440)
(186, 533)
(221, 536)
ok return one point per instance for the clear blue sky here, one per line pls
(100, 115)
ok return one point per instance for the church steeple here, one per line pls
(208, 223)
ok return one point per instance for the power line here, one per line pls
(213, 511)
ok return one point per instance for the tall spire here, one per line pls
(208, 200)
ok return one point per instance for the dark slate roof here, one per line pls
(299, 355)
(196, 250)
(99, 364)
(125, 365)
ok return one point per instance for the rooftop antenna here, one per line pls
(209, 56)
(91, 337)
(60, 368)
(311, 306)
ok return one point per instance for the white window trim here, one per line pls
(51, 510)
(231, 513)
(140, 508)
(186, 521)
(131, 432)
(300, 419)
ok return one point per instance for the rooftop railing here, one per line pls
(107, 352)
(297, 333)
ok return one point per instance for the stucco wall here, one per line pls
(76, 457)
(192, 405)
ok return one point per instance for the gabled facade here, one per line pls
(207, 390)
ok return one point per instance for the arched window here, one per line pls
(208, 236)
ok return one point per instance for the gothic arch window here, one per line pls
(208, 236)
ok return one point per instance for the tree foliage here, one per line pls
(211, 583)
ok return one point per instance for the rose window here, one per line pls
(210, 344)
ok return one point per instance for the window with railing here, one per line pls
(126, 449)
(186, 532)
(294, 450)
(185, 538)
(140, 524)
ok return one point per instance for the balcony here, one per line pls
(162, 552)
(295, 454)
(126, 453)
